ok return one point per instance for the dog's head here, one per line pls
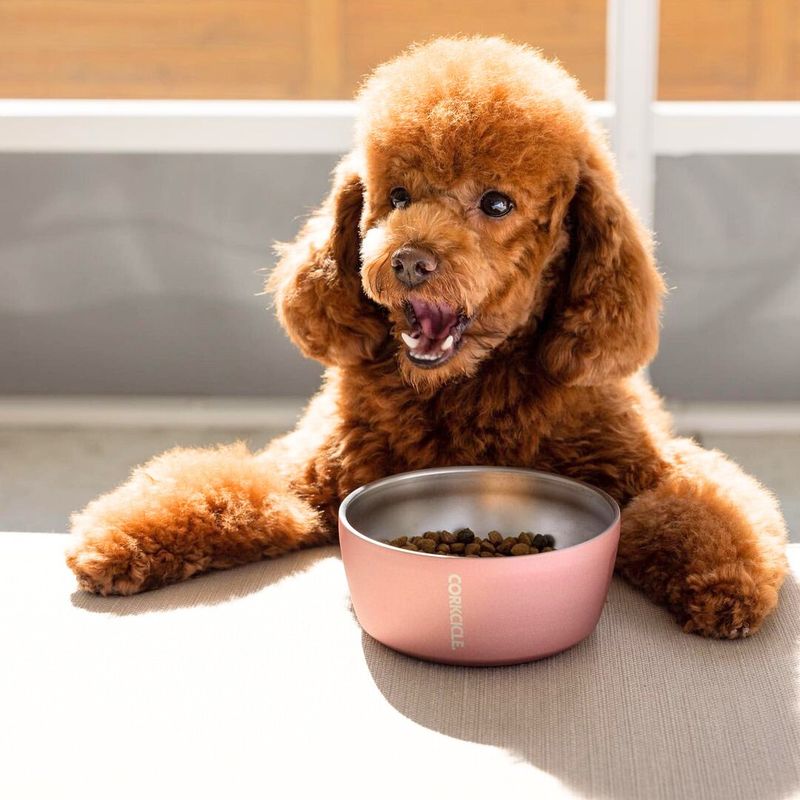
(481, 208)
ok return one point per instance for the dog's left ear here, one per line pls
(604, 318)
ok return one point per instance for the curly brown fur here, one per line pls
(551, 308)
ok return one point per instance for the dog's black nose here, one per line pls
(412, 265)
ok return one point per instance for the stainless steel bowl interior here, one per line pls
(482, 498)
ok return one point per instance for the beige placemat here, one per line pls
(259, 682)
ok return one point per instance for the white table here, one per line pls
(258, 682)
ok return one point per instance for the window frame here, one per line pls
(640, 127)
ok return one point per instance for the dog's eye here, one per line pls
(495, 204)
(399, 197)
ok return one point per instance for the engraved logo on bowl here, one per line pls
(456, 611)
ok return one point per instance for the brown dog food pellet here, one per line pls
(466, 544)
(465, 535)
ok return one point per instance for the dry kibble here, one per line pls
(466, 544)
(465, 535)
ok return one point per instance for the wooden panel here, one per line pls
(152, 48)
(714, 49)
(730, 50)
(258, 48)
(324, 48)
(776, 56)
(573, 31)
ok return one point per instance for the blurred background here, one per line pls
(151, 152)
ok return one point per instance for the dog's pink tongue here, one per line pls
(436, 320)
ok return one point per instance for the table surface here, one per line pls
(259, 681)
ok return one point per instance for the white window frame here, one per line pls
(641, 128)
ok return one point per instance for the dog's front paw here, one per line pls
(107, 563)
(726, 603)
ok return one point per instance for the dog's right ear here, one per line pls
(317, 284)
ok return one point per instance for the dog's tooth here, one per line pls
(447, 343)
(410, 341)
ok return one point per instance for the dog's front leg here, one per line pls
(708, 542)
(188, 511)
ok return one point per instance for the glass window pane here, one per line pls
(728, 246)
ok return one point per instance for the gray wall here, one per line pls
(729, 243)
(139, 274)
(134, 274)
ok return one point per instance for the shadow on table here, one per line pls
(209, 589)
(637, 710)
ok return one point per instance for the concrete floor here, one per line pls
(45, 474)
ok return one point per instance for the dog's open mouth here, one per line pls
(436, 330)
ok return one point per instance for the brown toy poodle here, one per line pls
(480, 292)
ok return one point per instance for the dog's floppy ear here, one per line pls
(317, 285)
(604, 318)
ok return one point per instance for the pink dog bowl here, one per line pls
(478, 611)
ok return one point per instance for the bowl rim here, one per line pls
(550, 476)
